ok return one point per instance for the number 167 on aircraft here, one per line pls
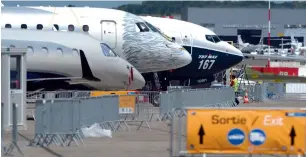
(206, 64)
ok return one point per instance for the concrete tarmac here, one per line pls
(123, 144)
(142, 143)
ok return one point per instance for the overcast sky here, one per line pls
(104, 4)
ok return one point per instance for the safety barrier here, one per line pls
(238, 131)
(295, 96)
(139, 110)
(151, 97)
(146, 96)
(172, 88)
(255, 92)
(264, 91)
(172, 102)
(130, 108)
(51, 95)
(59, 121)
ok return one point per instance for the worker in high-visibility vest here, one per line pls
(234, 84)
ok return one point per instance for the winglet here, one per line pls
(87, 73)
(2, 5)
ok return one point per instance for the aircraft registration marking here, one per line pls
(207, 61)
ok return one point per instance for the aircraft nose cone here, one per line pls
(237, 51)
(238, 59)
(183, 59)
(237, 54)
(186, 58)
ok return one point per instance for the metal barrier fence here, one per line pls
(151, 97)
(238, 132)
(174, 101)
(172, 88)
(268, 91)
(59, 121)
(32, 97)
(255, 92)
(295, 96)
(146, 96)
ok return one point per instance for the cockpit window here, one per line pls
(213, 38)
(209, 38)
(216, 38)
(142, 27)
(154, 29)
(107, 51)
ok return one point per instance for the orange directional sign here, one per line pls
(246, 131)
(127, 104)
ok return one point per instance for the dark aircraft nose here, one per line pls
(236, 56)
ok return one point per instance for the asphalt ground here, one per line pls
(142, 143)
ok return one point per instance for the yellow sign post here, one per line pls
(127, 104)
(245, 131)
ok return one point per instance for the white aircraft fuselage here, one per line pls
(210, 55)
(75, 57)
(125, 33)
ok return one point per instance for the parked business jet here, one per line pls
(79, 59)
(210, 55)
(260, 48)
(297, 47)
(125, 33)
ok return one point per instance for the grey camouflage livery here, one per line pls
(151, 44)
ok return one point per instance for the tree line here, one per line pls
(175, 7)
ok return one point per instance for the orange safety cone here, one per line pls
(246, 98)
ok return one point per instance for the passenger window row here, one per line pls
(85, 28)
(46, 51)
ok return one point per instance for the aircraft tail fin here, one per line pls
(292, 39)
(295, 42)
(240, 42)
(260, 41)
